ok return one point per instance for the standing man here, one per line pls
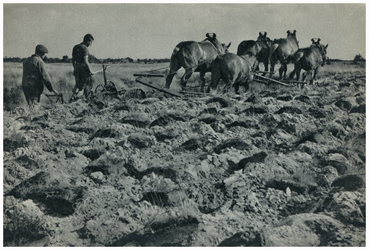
(35, 76)
(81, 67)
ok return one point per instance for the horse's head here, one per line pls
(290, 33)
(324, 52)
(291, 36)
(315, 41)
(322, 48)
(263, 38)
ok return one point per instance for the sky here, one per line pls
(144, 30)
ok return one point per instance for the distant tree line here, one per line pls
(358, 58)
(92, 59)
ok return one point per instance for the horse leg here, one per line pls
(202, 77)
(75, 91)
(306, 74)
(215, 79)
(315, 74)
(266, 65)
(216, 76)
(298, 72)
(169, 79)
(272, 65)
(285, 70)
(237, 88)
(228, 84)
(281, 70)
(246, 85)
(174, 67)
(185, 77)
(292, 74)
(27, 98)
(33, 101)
(257, 67)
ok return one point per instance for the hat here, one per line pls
(88, 37)
(41, 49)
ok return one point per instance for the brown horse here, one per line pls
(195, 57)
(309, 59)
(233, 70)
(283, 50)
(259, 48)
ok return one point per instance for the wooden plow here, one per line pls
(267, 80)
(181, 94)
(110, 89)
(154, 87)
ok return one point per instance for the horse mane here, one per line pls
(249, 43)
(316, 43)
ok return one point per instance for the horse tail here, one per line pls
(216, 73)
(174, 65)
(177, 48)
(182, 56)
(297, 56)
(273, 48)
(297, 60)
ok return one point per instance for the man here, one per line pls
(35, 76)
(81, 67)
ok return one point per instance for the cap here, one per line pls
(88, 37)
(41, 49)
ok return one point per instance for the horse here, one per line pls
(233, 70)
(309, 59)
(195, 57)
(282, 50)
(259, 48)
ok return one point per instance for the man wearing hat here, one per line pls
(81, 67)
(35, 76)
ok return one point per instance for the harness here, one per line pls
(319, 47)
(215, 46)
